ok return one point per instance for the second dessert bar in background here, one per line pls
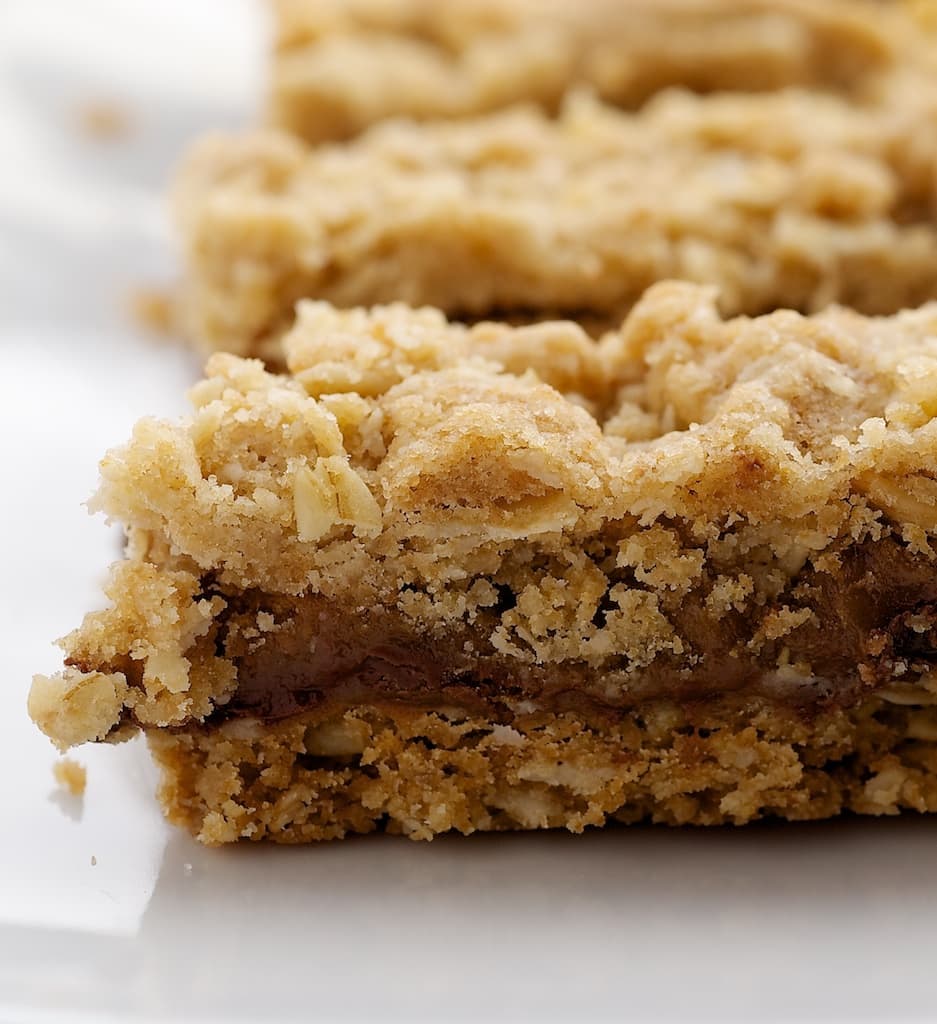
(342, 65)
(788, 199)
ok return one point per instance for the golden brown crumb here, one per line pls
(104, 120)
(924, 12)
(71, 775)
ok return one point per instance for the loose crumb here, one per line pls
(94, 861)
(103, 120)
(153, 308)
(71, 775)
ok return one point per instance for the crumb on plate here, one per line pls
(70, 775)
(152, 308)
(103, 120)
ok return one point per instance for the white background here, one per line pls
(836, 920)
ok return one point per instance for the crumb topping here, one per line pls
(783, 430)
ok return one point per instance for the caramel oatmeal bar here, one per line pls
(341, 65)
(441, 577)
(782, 200)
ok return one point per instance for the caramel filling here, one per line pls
(874, 622)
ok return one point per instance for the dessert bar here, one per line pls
(789, 200)
(342, 65)
(443, 577)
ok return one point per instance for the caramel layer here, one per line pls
(874, 622)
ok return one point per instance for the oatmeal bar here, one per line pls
(441, 577)
(784, 200)
(343, 65)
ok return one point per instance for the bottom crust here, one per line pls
(329, 773)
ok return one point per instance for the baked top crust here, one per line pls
(601, 507)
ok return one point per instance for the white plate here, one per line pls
(105, 913)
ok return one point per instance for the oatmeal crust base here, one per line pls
(325, 775)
